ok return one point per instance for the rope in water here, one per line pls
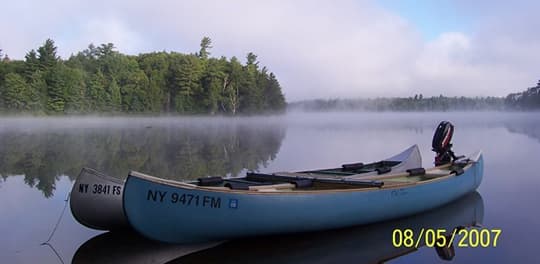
(46, 243)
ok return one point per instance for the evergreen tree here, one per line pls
(206, 45)
(212, 82)
(32, 63)
(102, 79)
(96, 92)
(55, 89)
(273, 95)
(134, 92)
(74, 90)
(250, 91)
(47, 55)
(105, 50)
(15, 92)
(38, 91)
(187, 82)
(156, 67)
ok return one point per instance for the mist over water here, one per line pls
(41, 157)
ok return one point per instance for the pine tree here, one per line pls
(74, 89)
(187, 81)
(32, 63)
(38, 91)
(137, 84)
(250, 92)
(211, 83)
(15, 92)
(273, 95)
(106, 50)
(156, 67)
(47, 54)
(96, 92)
(55, 89)
(206, 45)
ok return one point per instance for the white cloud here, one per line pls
(107, 30)
(316, 48)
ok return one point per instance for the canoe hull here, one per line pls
(96, 201)
(96, 198)
(182, 215)
(363, 244)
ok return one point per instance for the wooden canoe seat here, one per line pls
(273, 187)
(436, 173)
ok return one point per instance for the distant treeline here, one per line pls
(527, 100)
(416, 103)
(101, 79)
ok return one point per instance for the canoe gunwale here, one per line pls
(100, 175)
(409, 156)
(188, 186)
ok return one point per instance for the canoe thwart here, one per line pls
(241, 184)
(363, 183)
(210, 181)
(273, 187)
(352, 166)
(303, 183)
(252, 176)
(237, 186)
(383, 170)
(416, 171)
(436, 173)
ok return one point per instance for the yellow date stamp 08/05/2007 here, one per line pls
(440, 237)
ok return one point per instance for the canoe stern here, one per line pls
(96, 201)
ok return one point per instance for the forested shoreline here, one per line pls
(100, 79)
(528, 100)
(403, 104)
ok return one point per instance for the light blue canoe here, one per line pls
(372, 243)
(178, 212)
(96, 198)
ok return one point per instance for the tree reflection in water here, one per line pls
(179, 151)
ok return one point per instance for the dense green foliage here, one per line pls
(526, 100)
(416, 103)
(101, 79)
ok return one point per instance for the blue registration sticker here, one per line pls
(233, 203)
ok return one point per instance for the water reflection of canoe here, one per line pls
(363, 244)
(128, 247)
(180, 212)
(96, 198)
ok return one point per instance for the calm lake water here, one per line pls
(40, 159)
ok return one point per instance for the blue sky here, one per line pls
(430, 17)
(317, 49)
